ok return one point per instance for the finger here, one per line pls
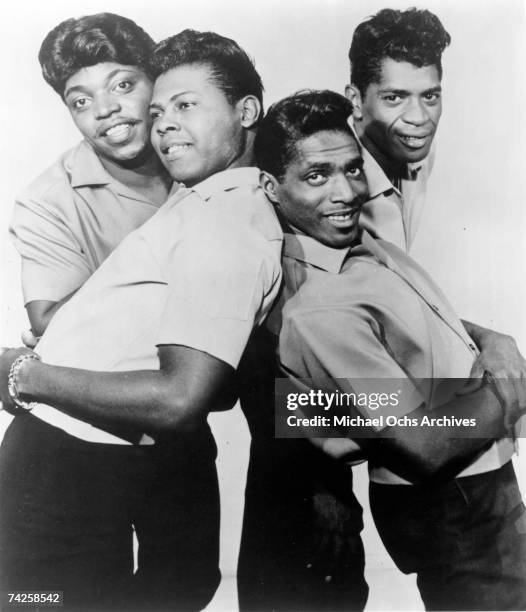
(29, 339)
(472, 384)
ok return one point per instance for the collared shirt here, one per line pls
(393, 212)
(69, 220)
(373, 313)
(200, 273)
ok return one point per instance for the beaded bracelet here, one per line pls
(12, 382)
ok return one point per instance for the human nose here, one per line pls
(105, 106)
(342, 190)
(166, 123)
(415, 112)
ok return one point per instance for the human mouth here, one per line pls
(175, 151)
(119, 133)
(414, 142)
(342, 219)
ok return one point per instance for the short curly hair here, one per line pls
(231, 68)
(414, 36)
(295, 118)
(104, 37)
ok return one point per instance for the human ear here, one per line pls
(353, 94)
(269, 184)
(250, 109)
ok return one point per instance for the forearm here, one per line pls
(424, 451)
(143, 399)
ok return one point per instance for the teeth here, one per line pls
(177, 148)
(414, 140)
(342, 217)
(118, 130)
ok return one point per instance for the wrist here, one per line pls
(15, 388)
(25, 376)
(510, 412)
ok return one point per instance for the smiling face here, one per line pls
(323, 188)
(109, 105)
(398, 116)
(196, 131)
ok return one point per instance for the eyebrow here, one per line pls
(356, 161)
(402, 92)
(110, 76)
(172, 98)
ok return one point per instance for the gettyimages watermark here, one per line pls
(364, 408)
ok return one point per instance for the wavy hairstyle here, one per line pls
(294, 118)
(414, 36)
(104, 37)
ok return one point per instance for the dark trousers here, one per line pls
(68, 507)
(301, 547)
(464, 538)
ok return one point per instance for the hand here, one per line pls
(29, 339)
(7, 357)
(501, 358)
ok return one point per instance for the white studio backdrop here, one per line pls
(472, 236)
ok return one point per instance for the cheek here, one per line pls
(436, 114)
(85, 125)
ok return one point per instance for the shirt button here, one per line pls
(472, 347)
(434, 307)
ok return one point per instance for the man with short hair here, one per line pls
(396, 73)
(396, 76)
(445, 499)
(161, 325)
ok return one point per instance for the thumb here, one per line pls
(474, 381)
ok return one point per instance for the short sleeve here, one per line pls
(343, 350)
(53, 264)
(221, 280)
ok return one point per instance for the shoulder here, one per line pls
(368, 296)
(52, 184)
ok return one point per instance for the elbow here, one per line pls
(415, 462)
(422, 466)
(178, 412)
(171, 413)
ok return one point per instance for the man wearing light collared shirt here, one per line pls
(396, 92)
(357, 311)
(132, 364)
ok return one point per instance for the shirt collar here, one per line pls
(226, 180)
(308, 250)
(87, 168)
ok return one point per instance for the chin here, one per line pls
(129, 153)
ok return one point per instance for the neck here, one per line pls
(393, 170)
(245, 157)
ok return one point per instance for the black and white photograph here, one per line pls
(262, 306)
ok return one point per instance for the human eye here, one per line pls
(392, 98)
(155, 114)
(79, 103)
(185, 105)
(123, 86)
(316, 178)
(355, 172)
(432, 97)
